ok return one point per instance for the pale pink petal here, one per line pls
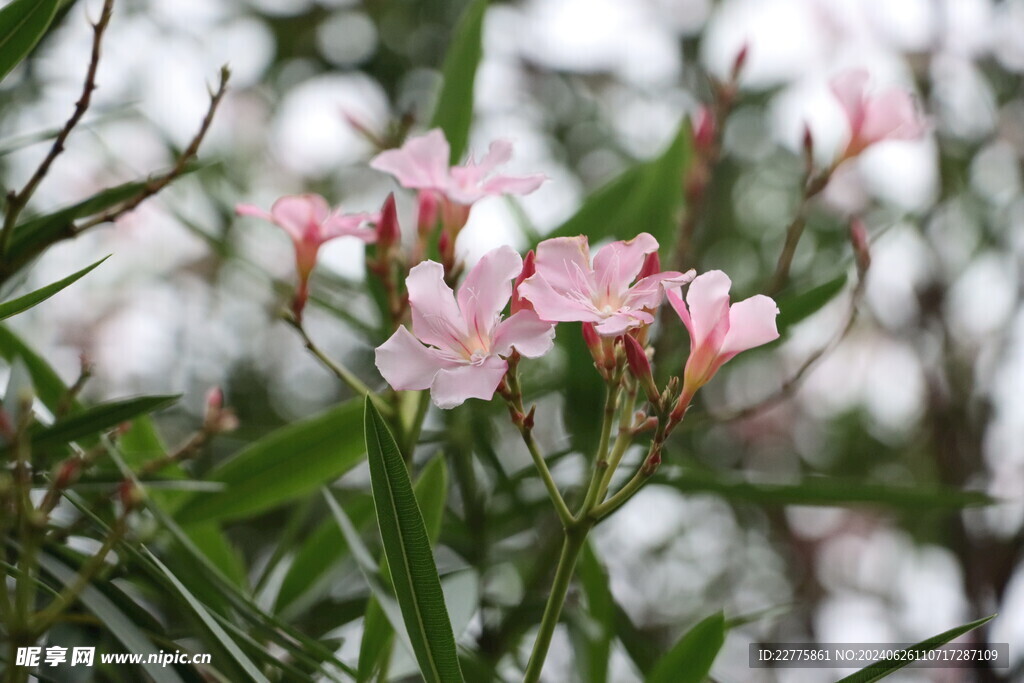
(891, 116)
(619, 323)
(421, 163)
(555, 306)
(564, 262)
(351, 225)
(708, 302)
(254, 211)
(531, 336)
(407, 364)
(435, 315)
(849, 88)
(301, 215)
(751, 324)
(504, 184)
(487, 289)
(617, 264)
(499, 152)
(677, 303)
(453, 386)
(648, 293)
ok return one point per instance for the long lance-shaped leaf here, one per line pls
(690, 659)
(286, 464)
(23, 303)
(47, 384)
(454, 111)
(96, 419)
(884, 667)
(410, 558)
(22, 24)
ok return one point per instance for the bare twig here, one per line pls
(813, 186)
(156, 184)
(16, 201)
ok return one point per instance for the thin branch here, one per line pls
(17, 201)
(155, 185)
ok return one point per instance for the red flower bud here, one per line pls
(529, 268)
(593, 342)
(388, 231)
(427, 218)
(740, 61)
(640, 366)
(703, 124)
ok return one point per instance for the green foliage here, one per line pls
(23, 303)
(45, 381)
(883, 668)
(803, 305)
(454, 110)
(22, 24)
(95, 419)
(690, 659)
(410, 558)
(287, 464)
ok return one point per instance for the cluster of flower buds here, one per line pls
(218, 419)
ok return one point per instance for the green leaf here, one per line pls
(803, 305)
(827, 491)
(690, 659)
(15, 306)
(47, 383)
(410, 558)
(95, 419)
(645, 198)
(884, 667)
(22, 24)
(117, 624)
(601, 610)
(454, 111)
(431, 491)
(286, 464)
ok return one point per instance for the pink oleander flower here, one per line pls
(422, 163)
(309, 221)
(457, 343)
(718, 331)
(566, 287)
(889, 115)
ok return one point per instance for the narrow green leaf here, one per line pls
(454, 111)
(690, 659)
(9, 308)
(803, 305)
(116, 622)
(49, 387)
(22, 24)
(95, 419)
(644, 198)
(409, 555)
(884, 667)
(431, 491)
(285, 465)
(827, 491)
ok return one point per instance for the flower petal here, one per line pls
(620, 323)
(617, 264)
(648, 292)
(487, 289)
(849, 88)
(564, 262)
(531, 336)
(751, 324)
(435, 315)
(301, 216)
(351, 225)
(891, 116)
(407, 364)
(555, 306)
(505, 184)
(708, 302)
(421, 163)
(453, 386)
(253, 210)
(677, 303)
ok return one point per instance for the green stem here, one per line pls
(571, 547)
(600, 465)
(622, 442)
(561, 508)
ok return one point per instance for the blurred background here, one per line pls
(923, 391)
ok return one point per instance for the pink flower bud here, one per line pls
(703, 130)
(388, 231)
(427, 218)
(740, 61)
(593, 341)
(529, 268)
(640, 366)
(214, 400)
(218, 418)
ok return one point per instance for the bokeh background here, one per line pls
(924, 390)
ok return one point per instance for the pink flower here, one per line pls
(566, 287)
(459, 341)
(422, 164)
(890, 115)
(309, 221)
(719, 331)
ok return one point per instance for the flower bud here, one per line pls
(703, 131)
(218, 419)
(427, 217)
(640, 366)
(529, 268)
(593, 342)
(67, 473)
(740, 61)
(808, 148)
(388, 231)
